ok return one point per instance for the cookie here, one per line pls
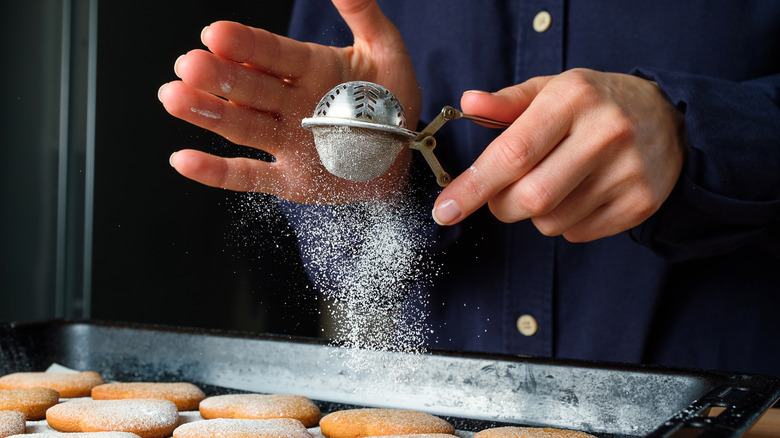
(33, 402)
(261, 407)
(421, 435)
(11, 423)
(237, 428)
(78, 435)
(69, 385)
(530, 432)
(185, 396)
(356, 423)
(146, 418)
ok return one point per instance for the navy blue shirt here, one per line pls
(697, 284)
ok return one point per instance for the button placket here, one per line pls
(540, 48)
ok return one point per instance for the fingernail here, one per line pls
(203, 35)
(176, 66)
(476, 92)
(447, 212)
(170, 159)
(159, 92)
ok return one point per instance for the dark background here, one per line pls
(159, 248)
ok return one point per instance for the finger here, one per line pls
(240, 174)
(559, 187)
(280, 56)
(600, 185)
(622, 201)
(504, 105)
(541, 191)
(508, 158)
(579, 204)
(605, 203)
(609, 219)
(367, 22)
(233, 81)
(240, 125)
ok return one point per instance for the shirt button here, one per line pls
(527, 325)
(542, 21)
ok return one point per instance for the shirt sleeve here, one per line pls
(728, 194)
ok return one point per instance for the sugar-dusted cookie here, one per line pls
(33, 402)
(356, 423)
(78, 435)
(185, 396)
(530, 432)
(11, 423)
(146, 418)
(69, 385)
(261, 406)
(420, 435)
(237, 428)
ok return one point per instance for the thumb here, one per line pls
(367, 22)
(504, 105)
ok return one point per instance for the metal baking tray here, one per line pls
(471, 391)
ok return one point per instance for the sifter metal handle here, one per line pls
(452, 114)
(425, 143)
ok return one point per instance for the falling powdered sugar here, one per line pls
(371, 265)
(370, 260)
(362, 261)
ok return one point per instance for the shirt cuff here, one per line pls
(728, 194)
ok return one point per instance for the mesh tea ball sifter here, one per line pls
(360, 127)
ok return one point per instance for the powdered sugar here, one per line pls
(67, 384)
(224, 428)
(261, 406)
(11, 423)
(378, 422)
(185, 396)
(148, 418)
(77, 435)
(357, 154)
(206, 113)
(369, 260)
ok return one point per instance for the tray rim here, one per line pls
(275, 337)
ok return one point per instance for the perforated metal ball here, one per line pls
(359, 128)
